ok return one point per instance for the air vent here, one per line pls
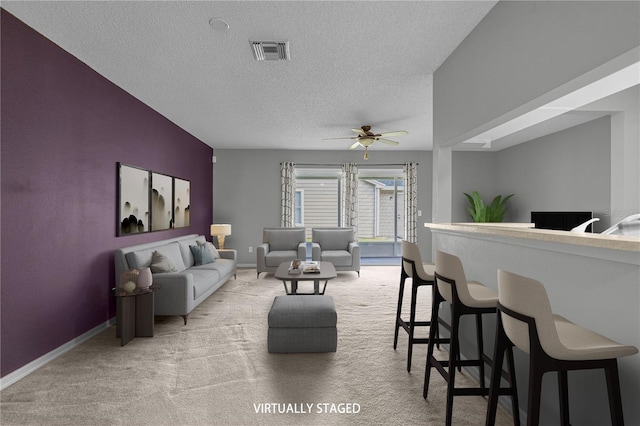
(270, 50)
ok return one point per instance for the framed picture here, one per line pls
(161, 202)
(181, 202)
(133, 200)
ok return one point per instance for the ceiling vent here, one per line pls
(270, 50)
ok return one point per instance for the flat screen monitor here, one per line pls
(561, 221)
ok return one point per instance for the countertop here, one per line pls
(526, 231)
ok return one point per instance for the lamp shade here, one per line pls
(220, 229)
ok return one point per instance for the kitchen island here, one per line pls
(592, 279)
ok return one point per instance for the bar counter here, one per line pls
(592, 279)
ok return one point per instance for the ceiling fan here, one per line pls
(365, 138)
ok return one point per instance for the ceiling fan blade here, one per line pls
(331, 139)
(355, 145)
(387, 141)
(396, 133)
(359, 131)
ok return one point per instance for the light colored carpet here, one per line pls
(217, 371)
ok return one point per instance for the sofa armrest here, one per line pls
(316, 251)
(175, 295)
(230, 254)
(261, 253)
(302, 251)
(263, 249)
(354, 249)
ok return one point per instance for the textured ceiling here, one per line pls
(352, 63)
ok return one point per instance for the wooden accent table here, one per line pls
(134, 313)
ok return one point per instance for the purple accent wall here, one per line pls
(64, 128)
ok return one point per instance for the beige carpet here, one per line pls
(217, 371)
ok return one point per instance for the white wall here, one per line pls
(568, 170)
(520, 51)
(522, 55)
(246, 189)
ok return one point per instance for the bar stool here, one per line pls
(553, 343)
(421, 275)
(465, 298)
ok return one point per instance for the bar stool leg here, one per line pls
(535, 389)
(399, 310)
(514, 388)
(563, 392)
(433, 333)
(453, 351)
(613, 389)
(412, 319)
(480, 347)
(502, 345)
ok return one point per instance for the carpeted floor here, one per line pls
(216, 370)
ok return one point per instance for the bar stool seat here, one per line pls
(421, 274)
(481, 295)
(553, 343)
(465, 298)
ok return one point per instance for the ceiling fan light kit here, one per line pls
(366, 138)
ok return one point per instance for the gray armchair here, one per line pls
(338, 246)
(280, 245)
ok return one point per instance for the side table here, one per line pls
(134, 313)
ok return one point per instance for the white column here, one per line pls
(442, 177)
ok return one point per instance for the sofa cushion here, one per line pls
(187, 256)
(337, 257)
(275, 258)
(333, 239)
(161, 263)
(201, 255)
(283, 239)
(142, 258)
(203, 280)
(225, 267)
(211, 248)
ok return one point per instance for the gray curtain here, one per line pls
(411, 201)
(350, 196)
(288, 186)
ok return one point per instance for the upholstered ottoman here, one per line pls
(302, 323)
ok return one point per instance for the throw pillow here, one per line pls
(211, 247)
(201, 254)
(161, 263)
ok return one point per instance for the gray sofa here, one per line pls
(280, 245)
(180, 291)
(338, 246)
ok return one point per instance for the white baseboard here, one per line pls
(29, 368)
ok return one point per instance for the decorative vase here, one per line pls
(128, 276)
(145, 279)
(129, 287)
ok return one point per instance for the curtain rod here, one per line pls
(357, 164)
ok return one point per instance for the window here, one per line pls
(298, 208)
(317, 197)
(381, 221)
(381, 215)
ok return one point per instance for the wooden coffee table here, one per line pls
(327, 272)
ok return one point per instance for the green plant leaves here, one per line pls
(481, 212)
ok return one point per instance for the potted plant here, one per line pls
(481, 212)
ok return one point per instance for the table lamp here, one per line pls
(220, 230)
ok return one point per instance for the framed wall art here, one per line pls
(161, 201)
(181, 202)
(133, 200)
(150, 201)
